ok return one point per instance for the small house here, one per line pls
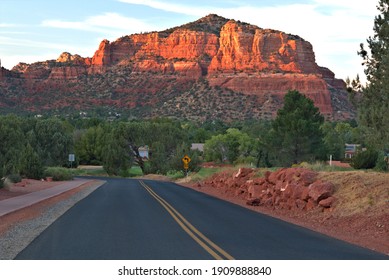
(350, 150)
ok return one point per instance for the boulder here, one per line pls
(327, 202)
(255, 191)
(243, 172)
(320, 190)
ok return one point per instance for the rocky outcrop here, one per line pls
(244, 47)
(227, 54)
(288, 188)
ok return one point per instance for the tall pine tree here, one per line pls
(373, 105)
(297, 135)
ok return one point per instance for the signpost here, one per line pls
(71, 159)
(186, 161)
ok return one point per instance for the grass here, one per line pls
(320, 166)
(175, 175)
(94, 171)
(206, 172)
(135, 171)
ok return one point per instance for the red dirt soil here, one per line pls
(359, 213)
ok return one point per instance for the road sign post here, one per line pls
(71, 159)
(186, 161)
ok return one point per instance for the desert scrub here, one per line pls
(365, 159)
(59, 173)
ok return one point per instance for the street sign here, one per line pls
(72, 159)
(186, 159)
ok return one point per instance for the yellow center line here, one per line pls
(205, 243)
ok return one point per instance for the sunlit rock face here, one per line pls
(196, 58)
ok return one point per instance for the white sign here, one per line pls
(71, 157)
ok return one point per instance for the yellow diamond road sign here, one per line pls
(186, 159)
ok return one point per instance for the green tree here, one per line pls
(176, 163)
(260, 132)
(12, 144)
(296, 130)
(53, 141)
(89, 145)
(158, 162)
(32, 166)
(215, 149)
(231, 146)
(116, 155)
(163, 137)
(336, 135)
(373, 106)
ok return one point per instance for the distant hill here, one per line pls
(211, 68)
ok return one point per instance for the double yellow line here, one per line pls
(214, 250)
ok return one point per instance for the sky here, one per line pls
(38, 30)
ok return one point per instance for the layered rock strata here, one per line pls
(227, 54)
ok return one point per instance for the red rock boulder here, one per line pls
(320, 190)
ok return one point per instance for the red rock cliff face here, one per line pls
(266, 55)
(228, 54)
(158, 52)
(249, 48)
(239, 47)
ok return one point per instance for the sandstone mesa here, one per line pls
(208, 68)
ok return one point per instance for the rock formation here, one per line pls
(213, 57)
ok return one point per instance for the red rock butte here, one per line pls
(166, 71)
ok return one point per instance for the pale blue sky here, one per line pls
(37, 30)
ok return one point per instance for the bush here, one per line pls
(32, 166)
(381, 164)
(59, 173)
(365, 159)
(124, 173)
(14, 178)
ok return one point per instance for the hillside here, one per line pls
(213, 67)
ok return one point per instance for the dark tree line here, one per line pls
(299, 133)
(28, 144)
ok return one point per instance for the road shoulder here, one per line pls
(19, 228)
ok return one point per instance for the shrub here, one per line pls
(14, 178)
(58, 173)
(365, 159)
(381, 163)
(124, 173)
(32, 166)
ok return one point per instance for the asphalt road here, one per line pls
(131, 219)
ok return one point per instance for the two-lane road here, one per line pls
(131, 219)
